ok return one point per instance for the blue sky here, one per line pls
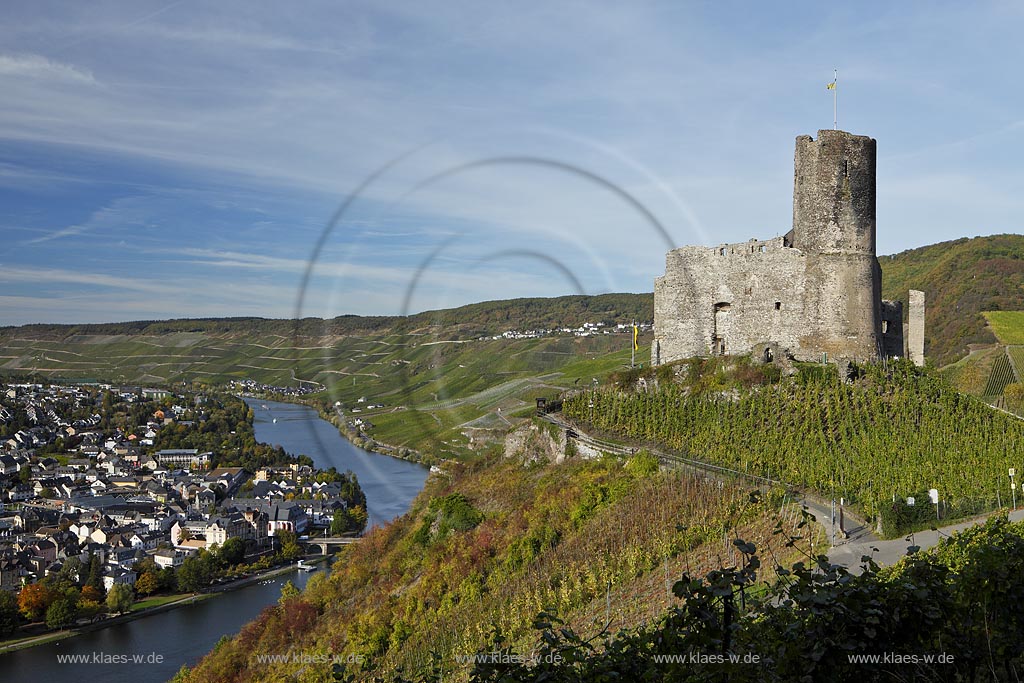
(189, 159)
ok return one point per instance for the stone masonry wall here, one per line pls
(814, 293)
(915, 328)
(892, 328)
(739, 294)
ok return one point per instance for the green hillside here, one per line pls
(961, 279)
(464, 322)
(607, 570)
(282, 352)
(445, 384)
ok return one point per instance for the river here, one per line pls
(184, 635)
(389, 483)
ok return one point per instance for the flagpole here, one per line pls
(835, 100)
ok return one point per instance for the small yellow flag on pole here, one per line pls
(835, 99)
(636, 331)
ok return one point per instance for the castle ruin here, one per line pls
(812, 294)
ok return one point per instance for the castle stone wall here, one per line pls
(728, 298)
(915, 328)
(892, 329)
(834, 193)
(815, 293)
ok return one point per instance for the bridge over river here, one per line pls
(326, 543)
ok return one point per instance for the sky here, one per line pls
(188, 159)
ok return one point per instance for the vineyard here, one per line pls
(600, 542)
(893, 432)
(1002, 374)
(1016, 354)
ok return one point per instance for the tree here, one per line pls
(284, 536)
(147, 583)
(359, 516)
(8, 613)
(61, 613)
(232, 552)
(145, 565)
(192, 575)
(288, 591)
(87, 608)
(96, 576)
(69, 573)
(288, 542)
(340, 522)
(352, 519)
(89, 592)
(168, 579)
(120, 598)
(34, 599)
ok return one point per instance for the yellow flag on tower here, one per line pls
(636, 331)
(831, 86)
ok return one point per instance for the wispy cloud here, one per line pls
(33, 275)
(41, 68)
(124, 212)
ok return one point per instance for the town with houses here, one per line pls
(76, 490)
(584, 330)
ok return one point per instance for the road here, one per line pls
(889, 552)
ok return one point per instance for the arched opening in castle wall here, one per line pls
(719, 344)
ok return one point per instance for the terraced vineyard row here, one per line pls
(1002, 374)
(1016, 354)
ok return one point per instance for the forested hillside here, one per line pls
(960, 279)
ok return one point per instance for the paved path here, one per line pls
(889, 552)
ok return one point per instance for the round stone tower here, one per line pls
(834, 225)
(834, 193)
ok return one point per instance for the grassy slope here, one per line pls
(1007, 326)
(961, 279)
(552, 536)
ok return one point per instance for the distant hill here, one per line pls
(281, 352)
(470, 321)
(443, 378)
(960, 279)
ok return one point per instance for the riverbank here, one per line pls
(189, 599)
